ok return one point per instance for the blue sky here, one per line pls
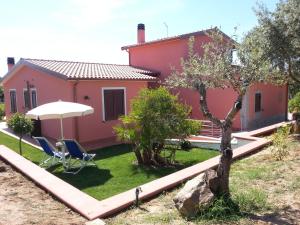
(95, 30)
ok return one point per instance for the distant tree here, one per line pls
(214, 69)
(294, 107)
(21, 126)
(155, 116)
(278, 38)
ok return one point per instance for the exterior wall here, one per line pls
(166, 55)
(49, 89)
(163, 56)
(92, 128)
(273, 103)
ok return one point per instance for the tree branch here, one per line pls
(297, 80)
(203, 104)
(234, 110)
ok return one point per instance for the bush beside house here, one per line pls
(156, 115)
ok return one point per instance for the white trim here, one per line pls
(112, 88)
(13, 90)
(36, 97)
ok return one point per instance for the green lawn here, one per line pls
(116, 171)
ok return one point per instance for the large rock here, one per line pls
(194, 195)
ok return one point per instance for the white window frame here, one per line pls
(36, 96)
(14, 90)
(103, 105)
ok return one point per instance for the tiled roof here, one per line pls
(90, 71)
(182, 36)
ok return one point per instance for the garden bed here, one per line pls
(116, 171)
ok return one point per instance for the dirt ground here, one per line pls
(23, 203)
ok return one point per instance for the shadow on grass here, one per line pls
(160, 171)
(286, 215)
(90, 176)
(108, 152)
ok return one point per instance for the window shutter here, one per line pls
(257, 102)
(108, 104)
(119, 103)
(33, 99)
(13, 101)
(114, 105)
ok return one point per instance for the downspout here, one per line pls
(75, 118)
(287, 102)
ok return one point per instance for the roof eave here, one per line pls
(183, 36)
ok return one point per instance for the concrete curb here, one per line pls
(92, 208)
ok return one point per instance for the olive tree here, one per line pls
(278, 37)
(294, 107)
(214, 69)
(155, 116)
(21, 126)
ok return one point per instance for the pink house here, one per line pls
(108, 88)
(263, 104)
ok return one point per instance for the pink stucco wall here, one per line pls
(164, 55)
(273, 102)
(49, 89)
(91, 128)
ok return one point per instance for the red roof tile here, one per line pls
(85, 70)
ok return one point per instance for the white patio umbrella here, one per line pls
(59, 110)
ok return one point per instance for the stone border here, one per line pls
(92, 208)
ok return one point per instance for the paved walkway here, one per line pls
(92, 208)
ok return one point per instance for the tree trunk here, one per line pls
(221, 182)
(296, 126)
(20, 145)
(138, 156)
(147, 157)
(225, 161)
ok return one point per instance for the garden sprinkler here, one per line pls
(138, 190)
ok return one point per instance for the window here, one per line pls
(33, 98)
(257, 102)
(26, 99)
(13, 101)
(113, 103)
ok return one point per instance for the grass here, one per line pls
(263, 190)
(1, 110)
(115, 171)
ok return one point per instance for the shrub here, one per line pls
(185, 145)
(294, 103)
(279, 148)
(21, 126)
(155, 115)
(2, 111)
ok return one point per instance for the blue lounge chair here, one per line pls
(52, 155)
(77, 155)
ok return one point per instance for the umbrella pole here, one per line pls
(61, 128)
(63, 147)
